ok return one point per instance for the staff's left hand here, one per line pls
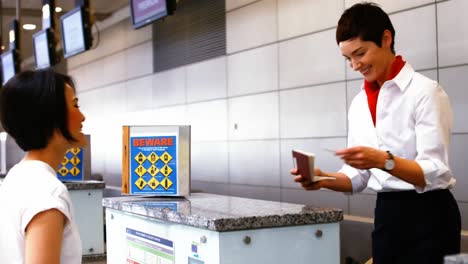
(363, 158)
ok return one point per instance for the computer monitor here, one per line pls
(44, 48)
(145, 12)
(76, 31)
(10, 65)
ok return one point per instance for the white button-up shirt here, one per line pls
(413, 121)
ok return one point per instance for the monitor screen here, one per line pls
(147, 11)
(41, 49)
(73, 34)
(8, 66)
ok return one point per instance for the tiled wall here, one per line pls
(283, 84)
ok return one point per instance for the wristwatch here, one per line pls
(389, 162)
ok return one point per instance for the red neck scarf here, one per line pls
(372, 89)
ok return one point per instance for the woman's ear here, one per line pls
(387, 39)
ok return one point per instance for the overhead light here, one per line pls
(29, 27)
(58, 9)
(3, 47)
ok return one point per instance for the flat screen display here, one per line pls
(73, 33)
(41, 49)
(147, 11)
(8, 66)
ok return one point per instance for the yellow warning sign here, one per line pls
(140, 158)
(166, 170)
(166, 183)
(63, 171)
(153, 183)
(166, 157)
(153, 170)
(64, 161)
(74, 171)
(140, 183)
(75, 150)
(140, 170)
(153, 157)
(75, 160)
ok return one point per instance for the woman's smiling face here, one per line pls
(372, 61)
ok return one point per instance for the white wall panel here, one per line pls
(139, 60)
(91, 127)
(251, 26)
(231, 4)
(139, 93)
(115, 98)
(254, 162)
(208, 120)
(431, 74)
(108, 70)
(172, 115)
(138, 118)
(417, 44)
(254, 117)
(207, 80)
(312, 59)
(454, 80)
(169, 87)
(300, 17)
(391, 6)
(321, 198)
(453, 32)
(318, 111)
(362, 204)
(112, 128)
(255, 192)
(352, 89)
(91, 103)
(324, 160)
(81, 77)
(134, 37)
(209, 162)
(253, 71)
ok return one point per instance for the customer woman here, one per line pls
(40, 111)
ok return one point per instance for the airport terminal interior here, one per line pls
(193, 110)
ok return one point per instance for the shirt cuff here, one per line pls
(359, 178)
(432, 170)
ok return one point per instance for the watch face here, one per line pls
(389, 164)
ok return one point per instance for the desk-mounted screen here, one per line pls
(145, 12)
(76, 32)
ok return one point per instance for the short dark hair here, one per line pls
(33, 106)
(364, 20)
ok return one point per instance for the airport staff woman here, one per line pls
(399, 133)
(40, 111)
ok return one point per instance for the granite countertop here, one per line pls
(223, 213)
(84, 185)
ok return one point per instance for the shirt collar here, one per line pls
(404, 77)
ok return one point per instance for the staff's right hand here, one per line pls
(306, 183)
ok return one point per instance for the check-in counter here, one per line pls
(86, 197)
(214, 229)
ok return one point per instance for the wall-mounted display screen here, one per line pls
(42, 49)
(147, 11)
(76, 36)
(8, 65)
